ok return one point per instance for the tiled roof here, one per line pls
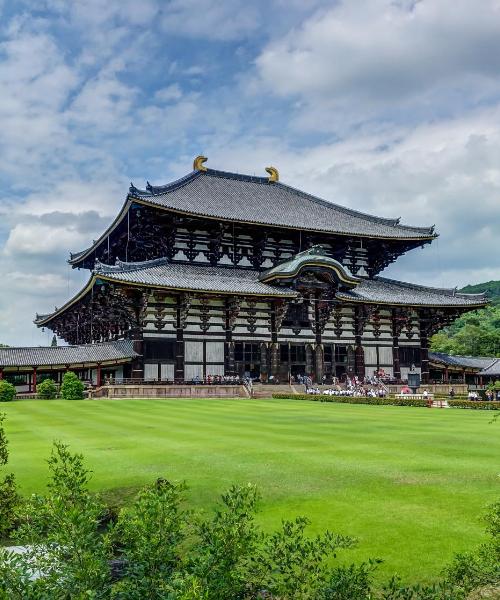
(244, 198)
(161, 273)
(66, 355)
(390, 291)
(471, 362)
(492, 370)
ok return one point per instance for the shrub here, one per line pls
(475, 405)
(7, 391)
(472, 404)
(9, 498)
(47, 389)
(71, 388)
(354, 399)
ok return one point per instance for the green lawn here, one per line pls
(410, 483)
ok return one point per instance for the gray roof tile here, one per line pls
(471, 362)
(381, 289)
(244, 198)
(66, 355)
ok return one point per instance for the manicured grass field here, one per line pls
(410, 483)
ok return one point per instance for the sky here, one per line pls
(387, 106)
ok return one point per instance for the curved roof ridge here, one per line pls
(121, 265)
(157, 190)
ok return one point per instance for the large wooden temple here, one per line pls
(219, 273)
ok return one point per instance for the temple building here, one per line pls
(220, 273)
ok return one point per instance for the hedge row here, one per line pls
(387, 401)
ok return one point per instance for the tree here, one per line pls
(9, 499)
(71, 388)
(7, 391)
(54, 341)
(47, 389)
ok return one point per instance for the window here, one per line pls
(249, 353)
(159, 349)
(408, 356)
(297, 354)
(340, 354)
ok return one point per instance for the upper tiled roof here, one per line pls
(243, 198)
(66, 355)
(471, 362)
(390, 291)
(161, 273)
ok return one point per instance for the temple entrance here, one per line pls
(293, 361)
(247, 359)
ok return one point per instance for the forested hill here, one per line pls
(492, 289)
(476, 333)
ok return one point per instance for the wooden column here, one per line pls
(34, 380)
(359, 354)
(319, 366)
(274, 348)
(1, 373)
(138, 361)
(99, 375)
(179, 348)
(424, 349)
(264, 373)
(396, 331)
(309, 361)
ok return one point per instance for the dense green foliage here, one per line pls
(7, 391)
(9, 499)
(476, 333)
(47, 389)
(71, 387)
(386, 472)
(158, 550)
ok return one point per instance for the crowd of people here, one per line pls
(353, 392)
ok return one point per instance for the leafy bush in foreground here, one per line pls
(47, 389)
(9, 498)
(71, 388)
(7, 391)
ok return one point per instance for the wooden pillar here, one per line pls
(318, 351)
(446, 375)
(264, 373)
(396, 330)
(359, 354)
(274, 348)
(424, 350)
(463, 375)
(34, 380)
(179, 349)
(229, 368)
(1, 373)
(99, 375)
(309, 361)
(138, 361)
(320, 364)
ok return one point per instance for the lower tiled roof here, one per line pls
(493, 370)
(67, 355)
(471, 362)
(390, 291)
(202, 278)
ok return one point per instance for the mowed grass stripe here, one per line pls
(410, 483)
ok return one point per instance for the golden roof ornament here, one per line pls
(198, 163)
(273, 174)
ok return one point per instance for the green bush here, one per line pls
(71, 388)
(353, 399)
(475, 405)
(47, 390)
(7, 391)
